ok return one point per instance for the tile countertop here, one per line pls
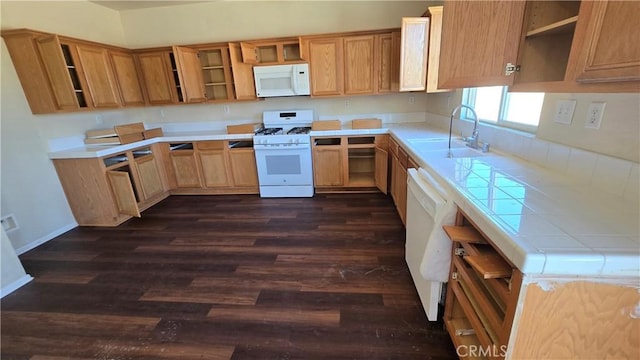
(543, 222)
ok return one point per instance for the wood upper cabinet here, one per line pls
(478, 39)
(359, 65)
(190, 74)
(611, 50)
(101, 82)
(550, 46)
(215, 69)
(156, 74)
(60, 74)
(326, 66)
(243, 80)
(271, 52)
(388, 62)
(63, 75)
(126, 74)
(414, 53)
(353, 64)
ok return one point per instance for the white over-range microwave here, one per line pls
(282, 80)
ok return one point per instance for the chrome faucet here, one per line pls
(472, 141)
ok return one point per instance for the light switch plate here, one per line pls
(564, 111)
(594, 115)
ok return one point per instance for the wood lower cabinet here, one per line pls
(212, 167)
(495, 311)
(482, 291)
(186, 173)
(107, 191)
(328, 156)
(399, 163)
(242, 161)
(346, 163)
(214, 163)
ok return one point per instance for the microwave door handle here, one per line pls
(294, 80)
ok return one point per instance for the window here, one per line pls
(495, 105)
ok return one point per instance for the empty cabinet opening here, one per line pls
(362, 164)
(141, 152)
(112, 161)
(327, 141)
(241, 144)
(291, 52)
(365, 140)
(180, 146)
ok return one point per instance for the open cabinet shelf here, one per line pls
(560, 27)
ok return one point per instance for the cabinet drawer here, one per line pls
(211, 145)
(393, 147)
(484, 284)
(403, 158)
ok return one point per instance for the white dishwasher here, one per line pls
(428, 249)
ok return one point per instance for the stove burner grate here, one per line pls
(301, 130)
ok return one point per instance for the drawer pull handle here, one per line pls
(465, 332)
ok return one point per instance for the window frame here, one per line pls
(469, 94)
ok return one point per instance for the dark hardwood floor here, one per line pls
(226, 277)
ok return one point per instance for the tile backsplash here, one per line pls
(602, 172)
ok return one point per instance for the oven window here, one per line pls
(283, 164)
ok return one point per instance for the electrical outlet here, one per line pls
(594, 115)
(412, 99)
(347, 104)
(98, 119)
(9, 223)
(564, 111)
(227, 109)
(161, 113)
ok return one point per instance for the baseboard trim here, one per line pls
(6, 290)
(23, 249)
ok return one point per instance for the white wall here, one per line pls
(618, 136)
(245, 20)
(29, 185)
(12, 273)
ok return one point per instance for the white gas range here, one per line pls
(283, 154)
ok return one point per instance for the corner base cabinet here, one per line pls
(492, 310)
(109, 190)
